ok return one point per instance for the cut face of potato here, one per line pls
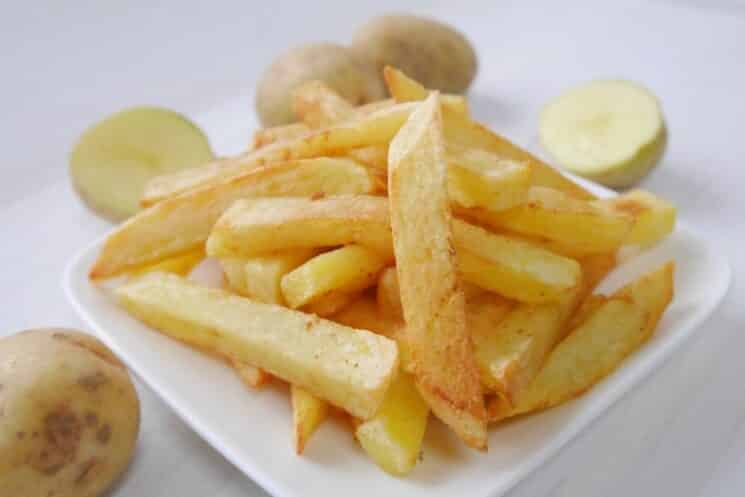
(611, 330)
(267, 136)
(184, 222)
(554, 215)
(115, 158)
(393, 437)
(433, 303)
(252, 227)
(308, 412)
(319, 106)
(511, 267)
(263, 274)
(654, 218)
(349, 368)
(404, 89)
(347, 269)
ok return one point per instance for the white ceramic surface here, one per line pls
(252, 428)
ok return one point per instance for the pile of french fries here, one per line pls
(391, 261)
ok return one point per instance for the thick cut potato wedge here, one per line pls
(552, 214)
(376, 128)
(654, 218)
(477, 178)
(256, 226)
(235, 275)
(389, 295)
(180, 264)
(308, 412)
(263, 274)
(393, 437)
(466, 133)
(331, 303)
(512, 268)
(184, 222)
(250, 375)
(612, 329)
(267, 136)
(404, 89)
(433, 303)
(351, 268)
(319, 106)
(349, 368)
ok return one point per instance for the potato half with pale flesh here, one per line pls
(69, 415)
(114, 159)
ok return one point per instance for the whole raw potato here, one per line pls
(69, 415)
(350, 75)
(431, 52)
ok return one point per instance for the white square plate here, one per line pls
(252, 429)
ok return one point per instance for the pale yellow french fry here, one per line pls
(308, 412)
(263, 274)
(654, 218)
(393, 437)
(404, 89)
(256, 226)
(184, 222)
(433, 304)
(331, 303)
(250, 375)
(235, 275)
(512, 268)
(347, 269)
(552, 214)
(347, 367)
(389, 295)
(179, 264)
(267, 136)
(319, 106)
(613, 329)
(376, 128)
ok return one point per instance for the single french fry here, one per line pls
(319, 106)
(351, 268)
(557, 216)
(308, 412)
(393, 437)
(612, 329)
(654, 218)
(347, 367)
(404, 89)
(263, 274)
(376, 128)
(184, 222)
(267, 136)
(389, 295)
(256, 226)
(179, 264)
(433, 304)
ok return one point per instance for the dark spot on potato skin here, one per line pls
(20, 435)
(103, 435)
(91, 382)
(86, 469)
(91, 419)
(62, 431)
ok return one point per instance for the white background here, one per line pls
(64, 65)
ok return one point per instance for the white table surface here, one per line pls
(64, 65)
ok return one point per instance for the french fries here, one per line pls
(442, 357)
(390, 260)
(347, 269)
(182, 223)
(347, 367)
(612, 329)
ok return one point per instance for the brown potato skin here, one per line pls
(69, 415)
(429, 51)
(350, 75)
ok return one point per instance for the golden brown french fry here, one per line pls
(267, 136)
(552, 214)
(319, 106)
(376, 128)
(331, 303)
(256, 226)
(442, 355)
(348, 269)
(308, 412)
(263, 274)
(654, 218)
(389, 295)
(180, 264)
(613, 329)
(183, 223)
(250, 375)
(349, 368)
(393, 437)
(404, 89)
